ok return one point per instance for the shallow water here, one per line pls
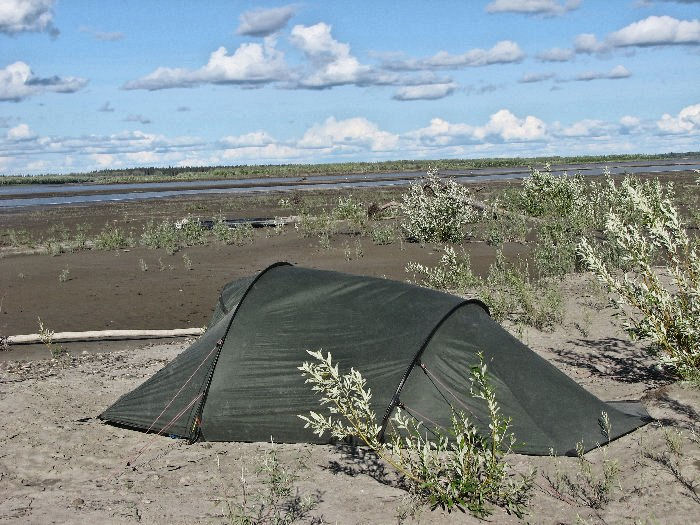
(85, 193)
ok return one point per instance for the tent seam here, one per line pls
(207, 382)
(395, 399)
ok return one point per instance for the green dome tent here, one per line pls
(239, 381)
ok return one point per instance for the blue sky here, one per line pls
(88, 85)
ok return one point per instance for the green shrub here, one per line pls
(112, 238)
(353, 212)
(458, 468)
(163, 235)
(382, 235)
(659, 304)
(454, 272)
(436, 210)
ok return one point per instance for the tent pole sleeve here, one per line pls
(395, 400)
(195, 419)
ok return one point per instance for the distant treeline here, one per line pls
(153, 174)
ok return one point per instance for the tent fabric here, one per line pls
(413, 345)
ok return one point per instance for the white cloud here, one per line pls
(686, 122)
(20, 132)
(104, 160)
(652, 31)
(425, 91)
(506, 126)
(442, 133)
(264, 22)
(503, 52)
(332, 63)
(528, 78)
(616, 73)
(17, 16)
(503, 126)
(656, 31)
(586, 128)
(352, 133)
(630, 121)
(251, 64)
(532, 7)
(17, 82)
(253, 139)
(556, 54)
(263, 154)
(588, 43)
(630, 124)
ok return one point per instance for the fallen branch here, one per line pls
(100, 335)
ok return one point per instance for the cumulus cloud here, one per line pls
(332, 64)
(352, 133)
(533, 7)
(657, 31)
(264, 22)
(504, 52)
(502, 126)
(588, 43)
(586, 128)
(251, 64)
(615, 73)
(686, 122)
(17, 16)
(17, 82)
(425, 91)
(528, 78)
(652, 31)
(630, 124)
(556, 54)
(253, 139)
(20, 132)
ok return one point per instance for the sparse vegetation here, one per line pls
(436, 210)
(46, 337)
(276, 499)
(658, 303)
(112, 238)
(64, 275)
(457, 469)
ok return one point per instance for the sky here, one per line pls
(114, 84)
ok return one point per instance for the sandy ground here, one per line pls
(58, 464)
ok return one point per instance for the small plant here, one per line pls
(187, 261)
(436, 210)
(112, 238)
(459, 468)
(143, 265)
(64, 275)
(353, 212)
(673, 459)
(46, 337)
(163, 235)
(658, 304)
(382, 235)
(590, 487)
(454, 273)
(278, 501)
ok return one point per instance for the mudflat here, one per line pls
(59, 464)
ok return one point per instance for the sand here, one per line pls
(59, 464)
